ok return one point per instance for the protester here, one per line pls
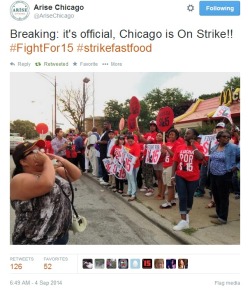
(103, 143)
(71, 154)
(185, 174)
(115, 154)
(87, 153)
(147, 169)
(80, 149)
(158, 169)
(168, 149)
(48, 146)
(224, 160)
(59, 143)
(111, 143)
(43, 211)
(92, 151)
(134, 149)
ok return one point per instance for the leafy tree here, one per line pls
(171, 97)
(207, 96)
(25, 128)
(72, 105)
(113, 112)
(233, 83)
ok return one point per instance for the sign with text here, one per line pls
(128, 161)
(165, 119)
(153, 153)
(132, 122)
(134, 106)
(207, 142)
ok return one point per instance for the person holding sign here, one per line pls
(115, 154)
(147, 169)
(168, 150)
(132, 148)
(186, 173)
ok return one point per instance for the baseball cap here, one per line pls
(153, 122)
(220, 125)
(24, 147)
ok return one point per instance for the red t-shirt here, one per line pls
(188, 165)
(116, 151)
(48, 147)
(134, 150)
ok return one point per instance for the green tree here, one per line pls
(207, 96)
(233, 83)
(171, 97)
(25, 128)
(113, 112)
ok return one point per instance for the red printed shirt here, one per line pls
(188, 165)
(134, 150)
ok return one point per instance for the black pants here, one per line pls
(105, 175)
(220, 186)
(119, 184)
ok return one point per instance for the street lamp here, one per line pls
(54, 85)
(85, 81)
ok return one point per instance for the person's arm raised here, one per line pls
(25, 186)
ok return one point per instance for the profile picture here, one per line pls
(171, 263)
(159, 263)
(123, 263)
(182, 263)
(87, 263)
(99, 263)
(111, 263)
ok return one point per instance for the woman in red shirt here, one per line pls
(186, 173)
(134, 149)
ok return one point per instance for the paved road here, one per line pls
(110, 221)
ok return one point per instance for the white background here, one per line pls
(169, 55)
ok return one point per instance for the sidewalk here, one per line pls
(201, 231)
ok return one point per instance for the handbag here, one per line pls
(79, 223)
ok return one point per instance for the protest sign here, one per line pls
(153, 153)
(134, 106)
(223, 111)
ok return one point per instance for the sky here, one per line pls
(32, 94)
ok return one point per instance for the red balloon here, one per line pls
(132, 122)
(165, 119)
(134, 106)
(42, 128)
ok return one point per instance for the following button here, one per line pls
(220, 8)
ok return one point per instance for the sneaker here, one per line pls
(149, 194)
(213, 215)
(219, 221)
(198, 194)
(100, 179)
(173, 203)
(166, 205)
(126, 195)
(104, 183)
(183, 224)
(144, 189)
(132, 198)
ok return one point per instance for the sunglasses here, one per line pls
(35, 151)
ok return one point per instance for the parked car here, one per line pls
(15, 139)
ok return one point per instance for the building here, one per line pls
(201, 112)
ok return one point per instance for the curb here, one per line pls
(160, 221)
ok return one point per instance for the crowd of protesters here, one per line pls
(182, 168)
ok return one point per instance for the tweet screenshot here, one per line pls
(123, 171)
